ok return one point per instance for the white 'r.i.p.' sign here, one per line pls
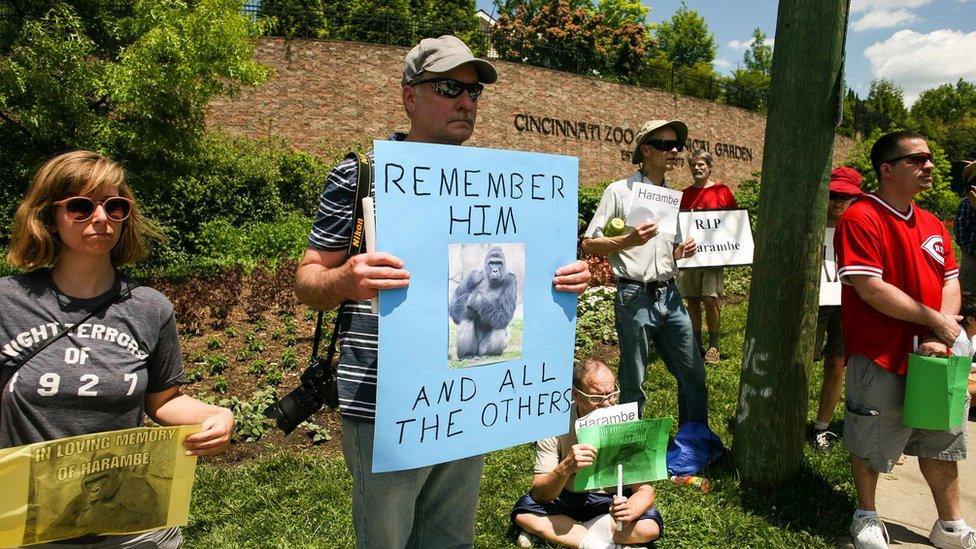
(724, 238)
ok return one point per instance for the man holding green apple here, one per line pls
(648, 306)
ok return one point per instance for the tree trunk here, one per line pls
(804, 109)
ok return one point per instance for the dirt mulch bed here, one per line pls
(242, 333)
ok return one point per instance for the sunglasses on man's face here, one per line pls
(597, 400)
(914, 159)
(81, 208)
(841, 197)
(665, 145)
(450, 88)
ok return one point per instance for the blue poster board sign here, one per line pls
(476, 353)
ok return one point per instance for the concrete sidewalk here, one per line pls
(905, 502)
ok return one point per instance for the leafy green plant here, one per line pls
(250, 423)
(316, 432)
(258, 367)
(213, 343)
(595, 322)
(219, 384)
(288, 360)
(274, 377)
(738, 280)
(747, 196)
(194, 374)
(216, 363)
(589, 199)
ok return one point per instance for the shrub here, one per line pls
(595, 319)
(230, 183)
(589, 199)
(747, 196)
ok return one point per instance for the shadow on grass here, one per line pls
(808, 502)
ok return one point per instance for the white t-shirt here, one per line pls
(651, 262)
(964, 346)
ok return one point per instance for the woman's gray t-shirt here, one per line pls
(96, 377)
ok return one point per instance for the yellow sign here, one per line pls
(117, 482)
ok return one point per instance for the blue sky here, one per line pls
(918, 44)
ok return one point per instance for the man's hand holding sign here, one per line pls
(559, 508)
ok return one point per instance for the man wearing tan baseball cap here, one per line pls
(430, 506)
(648, 305)
(965, 230)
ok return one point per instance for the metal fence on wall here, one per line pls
(286, 19)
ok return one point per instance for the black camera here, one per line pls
(318, 387)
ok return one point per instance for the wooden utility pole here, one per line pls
(804, 109)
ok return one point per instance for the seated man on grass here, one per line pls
(556, 513)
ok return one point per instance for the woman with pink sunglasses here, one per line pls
(77, 223)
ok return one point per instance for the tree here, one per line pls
(747, 89)
(295, 18)
(948, 114)
(887, 99)
(759, 56)
(772, 410)
(848, 125)
(559, 36)
(617, 13)
(398, 22)
(129, 79)
(685, 38)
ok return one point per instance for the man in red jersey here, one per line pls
(900, 282)
(699, 286)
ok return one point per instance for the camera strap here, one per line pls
(364, 183)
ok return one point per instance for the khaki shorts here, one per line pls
(830, 335)
(873, 430)
(701, 282)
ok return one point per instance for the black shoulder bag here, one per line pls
(319, 382)
(9, 367)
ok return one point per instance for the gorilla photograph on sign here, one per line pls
(485, 303)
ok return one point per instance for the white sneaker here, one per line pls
(869, 533)
(525, 540)
(964, 539)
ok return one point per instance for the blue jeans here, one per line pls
(426, 507)
(644, 314)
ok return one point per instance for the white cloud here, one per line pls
(722, 63)
(884, 19)
(917, 61)
(742, 45)
(871, 5)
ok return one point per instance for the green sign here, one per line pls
(641, 447)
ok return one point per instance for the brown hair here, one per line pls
(585, 368)
(34, 242)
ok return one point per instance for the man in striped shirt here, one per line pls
(430, 506)
(901, 282)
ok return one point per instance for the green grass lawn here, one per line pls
(299, 501)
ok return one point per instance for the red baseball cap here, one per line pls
(846, 181)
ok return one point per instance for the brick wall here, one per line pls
(326, 97)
